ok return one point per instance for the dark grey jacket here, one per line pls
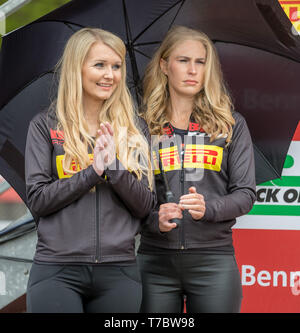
(225, 176)
(74, 222)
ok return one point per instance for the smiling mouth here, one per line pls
(104, 85)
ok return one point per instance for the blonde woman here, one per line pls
(88, 184)
(206, 155)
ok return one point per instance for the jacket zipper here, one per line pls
(182, 192)
(97, 258)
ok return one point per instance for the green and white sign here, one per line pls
(278, 201)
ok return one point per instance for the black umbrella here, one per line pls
(259, 53)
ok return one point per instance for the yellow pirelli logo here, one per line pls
(169, 159)
(203, 157)
(74, 166)
(195, 156)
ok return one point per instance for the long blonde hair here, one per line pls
(118, 109)
(212, 105)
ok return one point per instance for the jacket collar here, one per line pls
(168, 129)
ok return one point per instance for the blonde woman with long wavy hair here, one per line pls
(89, 183)
(205, 156)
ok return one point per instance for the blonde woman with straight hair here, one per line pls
(204, 154)
(88, 183)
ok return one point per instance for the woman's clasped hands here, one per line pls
(193, 202)
(105, 149)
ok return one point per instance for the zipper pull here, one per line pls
(182, 176)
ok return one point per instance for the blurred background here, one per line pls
(11, 206)
(15, 219)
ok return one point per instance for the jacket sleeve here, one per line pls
(45, 195)
(135, 194)
(241, 175)
(151, 221)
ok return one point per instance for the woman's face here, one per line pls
(101, 72)
(185, 68)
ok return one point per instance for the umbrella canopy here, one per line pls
(259, 53)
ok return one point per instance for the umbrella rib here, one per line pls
(147, 43)
(59, 21)
(142, 53)
(127, 26)
(162, 14)
(68, 24)
(256, 47)
(135, 72)
(176, 13)
(266, 160)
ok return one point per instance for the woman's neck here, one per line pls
(179, 112)
(91, 113)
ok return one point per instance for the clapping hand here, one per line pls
(105, 150)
